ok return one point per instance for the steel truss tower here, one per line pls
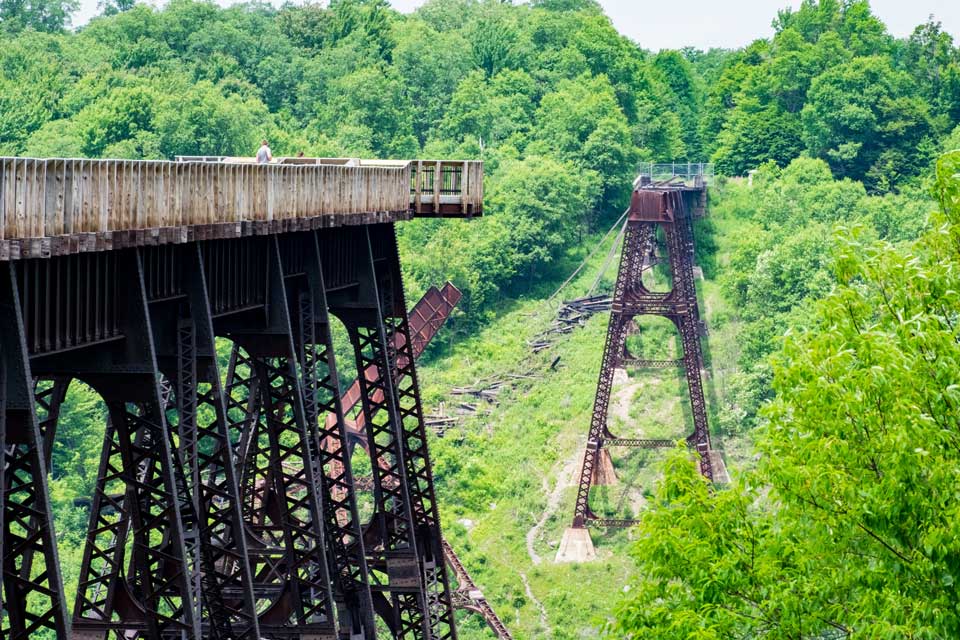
(222, 510)
(668, 209)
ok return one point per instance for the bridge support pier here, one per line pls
(576, 546)
(221, 571)
(283, 490)
(222, 512)
(409, 578)
(138, 491)
(324, 411)
(33, 596)
(669, 209)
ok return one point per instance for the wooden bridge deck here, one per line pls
(54, 207)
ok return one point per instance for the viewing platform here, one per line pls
(51, 207)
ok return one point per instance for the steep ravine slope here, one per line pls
(507, 475)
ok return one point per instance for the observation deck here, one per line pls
(51, 207)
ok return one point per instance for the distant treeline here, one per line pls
(559, 104)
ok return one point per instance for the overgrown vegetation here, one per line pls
(846, 526)
(843, 524)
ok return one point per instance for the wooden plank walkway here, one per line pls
(59, 206)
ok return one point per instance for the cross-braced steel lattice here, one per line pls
(223, 511)
(32, 585)
(408, 575)
(137, 493)
(325, 416)
(222, 570)
(653, 208)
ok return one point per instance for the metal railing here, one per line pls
(690, 173)
(437, 187)
(445, 186)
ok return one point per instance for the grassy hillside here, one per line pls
(507, 479)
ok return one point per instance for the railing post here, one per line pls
(464, 187)
(437, 183)
(419, 187)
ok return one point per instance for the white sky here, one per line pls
(712, 23)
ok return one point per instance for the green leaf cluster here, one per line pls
(834, 84)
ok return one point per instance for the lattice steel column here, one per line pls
(136, 493)
(225, 579)
(416, 453)
(324, 412)
(243, 412)
(291, 565)
(395, 552)
(636, 239)
(700, 438)
(49, 396)
(652, 208)
(404, 524)
(33, 595)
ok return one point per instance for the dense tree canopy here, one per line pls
(832, 82)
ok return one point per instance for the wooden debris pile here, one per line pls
(440, 421)
(572, 314)
(488, 390)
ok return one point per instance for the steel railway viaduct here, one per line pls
(225, 505)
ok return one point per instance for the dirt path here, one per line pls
(623, 400)
(564, 480)
(544, 621)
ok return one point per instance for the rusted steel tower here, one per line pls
(220, 511)
(667, 207)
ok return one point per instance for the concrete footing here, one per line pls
(576, 546)
(603, 472)
(720, 474)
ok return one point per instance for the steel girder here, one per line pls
(33, 597)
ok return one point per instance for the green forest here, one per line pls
(829, 281)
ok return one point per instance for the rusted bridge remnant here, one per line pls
(220, 510)
(667, 203)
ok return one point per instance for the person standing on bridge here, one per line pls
(263, 154)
